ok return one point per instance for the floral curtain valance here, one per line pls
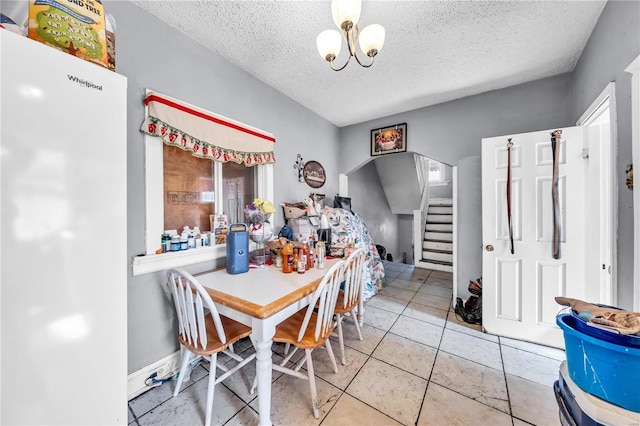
(205, 134)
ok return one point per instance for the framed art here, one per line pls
(389, 140)
(313, 174)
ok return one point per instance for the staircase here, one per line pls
(437, 246)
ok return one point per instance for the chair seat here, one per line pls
(287, 331)
(233, 330)
(340, 309)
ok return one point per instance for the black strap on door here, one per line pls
(509, 146)
(555, 150)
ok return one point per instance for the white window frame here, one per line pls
(441, 181)
(154, 206)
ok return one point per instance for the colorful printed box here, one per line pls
(76, 27)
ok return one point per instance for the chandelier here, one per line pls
(345, 15)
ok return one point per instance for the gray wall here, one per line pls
(153, 55)
(451, 132)
(399, 179)
(469, 235)
(405, 239)
(373, 207)
(613, 45)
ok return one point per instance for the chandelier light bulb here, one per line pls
(345, 10)
(371, 39)
(329, 43)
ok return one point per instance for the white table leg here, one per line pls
(263, 335)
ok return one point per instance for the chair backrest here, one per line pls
(323, 302)
(191, 300)
(354, 277)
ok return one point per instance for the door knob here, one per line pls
(489, 247)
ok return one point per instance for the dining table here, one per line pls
(262, 298)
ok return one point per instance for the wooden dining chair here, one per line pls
(310, 328)
(202, 331)
(349, 296)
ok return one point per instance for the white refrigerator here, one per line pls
(63, 238)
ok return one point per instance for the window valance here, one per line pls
(205, 134)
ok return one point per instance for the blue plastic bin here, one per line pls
(619, 339)
(606, 370)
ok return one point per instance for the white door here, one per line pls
(519, 289)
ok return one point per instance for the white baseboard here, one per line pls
(166, 367)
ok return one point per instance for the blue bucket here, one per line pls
(608, 336)
(606, 370)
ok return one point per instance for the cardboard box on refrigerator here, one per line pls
(76, 27)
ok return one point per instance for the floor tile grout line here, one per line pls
(435, 358)
(135, 418)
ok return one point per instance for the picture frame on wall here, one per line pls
(389, 140)
(314, 174)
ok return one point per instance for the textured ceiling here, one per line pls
(434, 51)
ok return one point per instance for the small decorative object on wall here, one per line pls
(299, 165)
(313, 173)
(388, 140)
(630, 176)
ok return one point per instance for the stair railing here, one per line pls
(420, 216)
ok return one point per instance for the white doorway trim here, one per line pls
(634, 69)
(343, 185)
(608, 216)
(454, 197)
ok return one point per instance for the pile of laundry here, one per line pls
(618, 320)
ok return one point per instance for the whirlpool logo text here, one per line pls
(84, 83)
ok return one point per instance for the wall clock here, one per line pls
(313, 173)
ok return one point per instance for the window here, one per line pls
(436, 173)
(189, 189)
(262, 186)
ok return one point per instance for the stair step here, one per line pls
(439, 218)
(439, 262)
(440, 210)
(439, 227)
(437, 245)
(441, 202)
(435, 265)
(438, 235)
(439, 255)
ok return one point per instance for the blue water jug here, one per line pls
(237, 248)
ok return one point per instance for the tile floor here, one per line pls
(417, 365)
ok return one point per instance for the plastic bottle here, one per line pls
(166, 242)
(197, 236)
(296, 259)
(184, 238)
(308, 256)
(175, 242)
(287, 258)
(302, 263)
(320, 248)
